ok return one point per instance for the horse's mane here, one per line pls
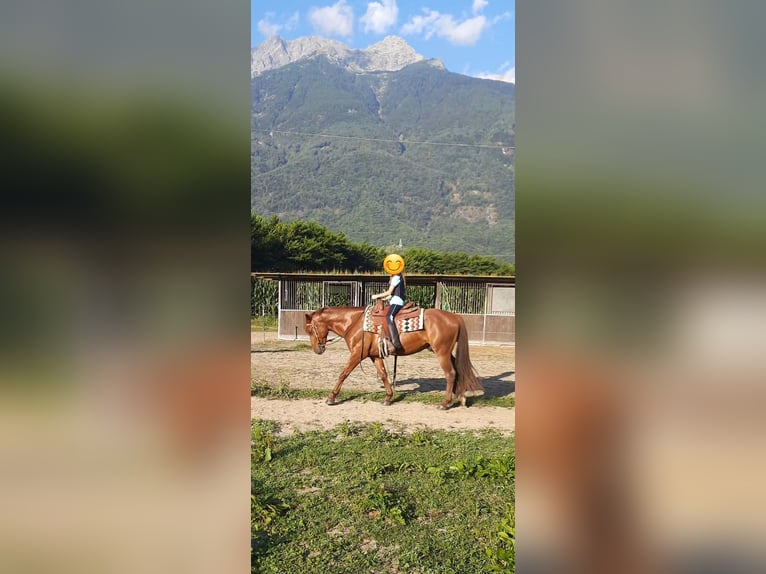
(323, 310)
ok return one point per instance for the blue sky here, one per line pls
(472, 37)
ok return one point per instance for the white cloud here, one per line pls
(269, 28)
(419, 23)
(505, 73)
(380, 17)
(503, 16)
(335, 20)
(479, 5)
(465, 33)
(293, 21)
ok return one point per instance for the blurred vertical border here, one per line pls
(641, 295)
(124, 325)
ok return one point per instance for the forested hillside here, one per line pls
(420, 155)
(307, 246)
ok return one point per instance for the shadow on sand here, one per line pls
(494, 387)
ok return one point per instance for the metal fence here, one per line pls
(465, 297)
(486, 304)
(301, 295)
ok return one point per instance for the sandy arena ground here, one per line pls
(291, 362)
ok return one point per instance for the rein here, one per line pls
(327, 341)
(361, 347)
(361, 351)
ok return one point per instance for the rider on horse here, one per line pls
(394, 266)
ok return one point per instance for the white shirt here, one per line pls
(395, 280)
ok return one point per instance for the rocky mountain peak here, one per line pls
(390, 54)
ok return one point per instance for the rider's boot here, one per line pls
(395, 340)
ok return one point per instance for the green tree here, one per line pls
(308, 246)
(266, 251)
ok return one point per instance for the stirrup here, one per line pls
(383, 349)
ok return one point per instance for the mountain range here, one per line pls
(383, 145)
(389, 55)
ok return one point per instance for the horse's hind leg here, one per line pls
(381, 367)
(353, 361)
(448, 366)
(461, 396)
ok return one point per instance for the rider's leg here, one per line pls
(392, 311)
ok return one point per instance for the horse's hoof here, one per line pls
(387, 403)
(330, 401)
(443, 407)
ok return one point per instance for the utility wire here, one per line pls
(361, 138)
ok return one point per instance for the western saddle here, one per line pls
(377, 317)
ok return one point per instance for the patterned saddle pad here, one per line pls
(409, 318)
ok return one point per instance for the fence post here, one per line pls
(487, 300)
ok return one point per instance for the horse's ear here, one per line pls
(308, 317)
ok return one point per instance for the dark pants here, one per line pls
(392, 311)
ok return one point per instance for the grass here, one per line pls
(257, 324)
(283, 390)
(361, 498)
(297, 346)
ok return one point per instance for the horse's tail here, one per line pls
(468, 384)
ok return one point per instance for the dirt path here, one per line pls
(306, 415)
(293, 364)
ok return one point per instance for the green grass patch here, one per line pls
(268, 324)
(361, 498)
(283, 390)
(298, 346)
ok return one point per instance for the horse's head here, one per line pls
(317, 329)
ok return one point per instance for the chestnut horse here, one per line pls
(442, 332)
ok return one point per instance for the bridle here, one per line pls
(318, 338)
(314, 329)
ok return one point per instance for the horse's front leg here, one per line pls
(353, 361)
(381, 367)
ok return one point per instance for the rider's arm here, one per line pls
(385, 294)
